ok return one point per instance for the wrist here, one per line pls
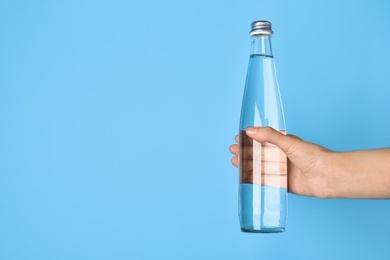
(338, 175)
(330, 174)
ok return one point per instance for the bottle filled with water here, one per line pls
(262, 166)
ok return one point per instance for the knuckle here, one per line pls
(269, 132)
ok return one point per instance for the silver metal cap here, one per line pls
(261, 28)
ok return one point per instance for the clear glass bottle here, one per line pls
(262, 166)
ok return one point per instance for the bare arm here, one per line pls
(361, 174)
(316, 171)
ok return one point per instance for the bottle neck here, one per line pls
(261, 46)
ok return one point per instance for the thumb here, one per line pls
(267, 134)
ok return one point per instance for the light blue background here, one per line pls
(116, 118)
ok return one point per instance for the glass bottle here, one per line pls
(262, 166)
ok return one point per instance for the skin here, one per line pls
(316, 171)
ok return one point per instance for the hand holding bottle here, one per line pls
(316, 171)
(306, 161)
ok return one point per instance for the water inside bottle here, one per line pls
(262, 209)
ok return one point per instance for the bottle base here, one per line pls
(263, 230)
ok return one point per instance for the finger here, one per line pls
(265, 152)
(267, 134)
(234, 161)
(234, 149)
(236, 138)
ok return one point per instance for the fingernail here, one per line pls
(251, 130)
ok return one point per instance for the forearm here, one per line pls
(360, 174)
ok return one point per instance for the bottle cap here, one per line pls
(261, 28)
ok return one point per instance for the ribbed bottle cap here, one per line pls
(261, 28)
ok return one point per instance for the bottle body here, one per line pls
(262, 166)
